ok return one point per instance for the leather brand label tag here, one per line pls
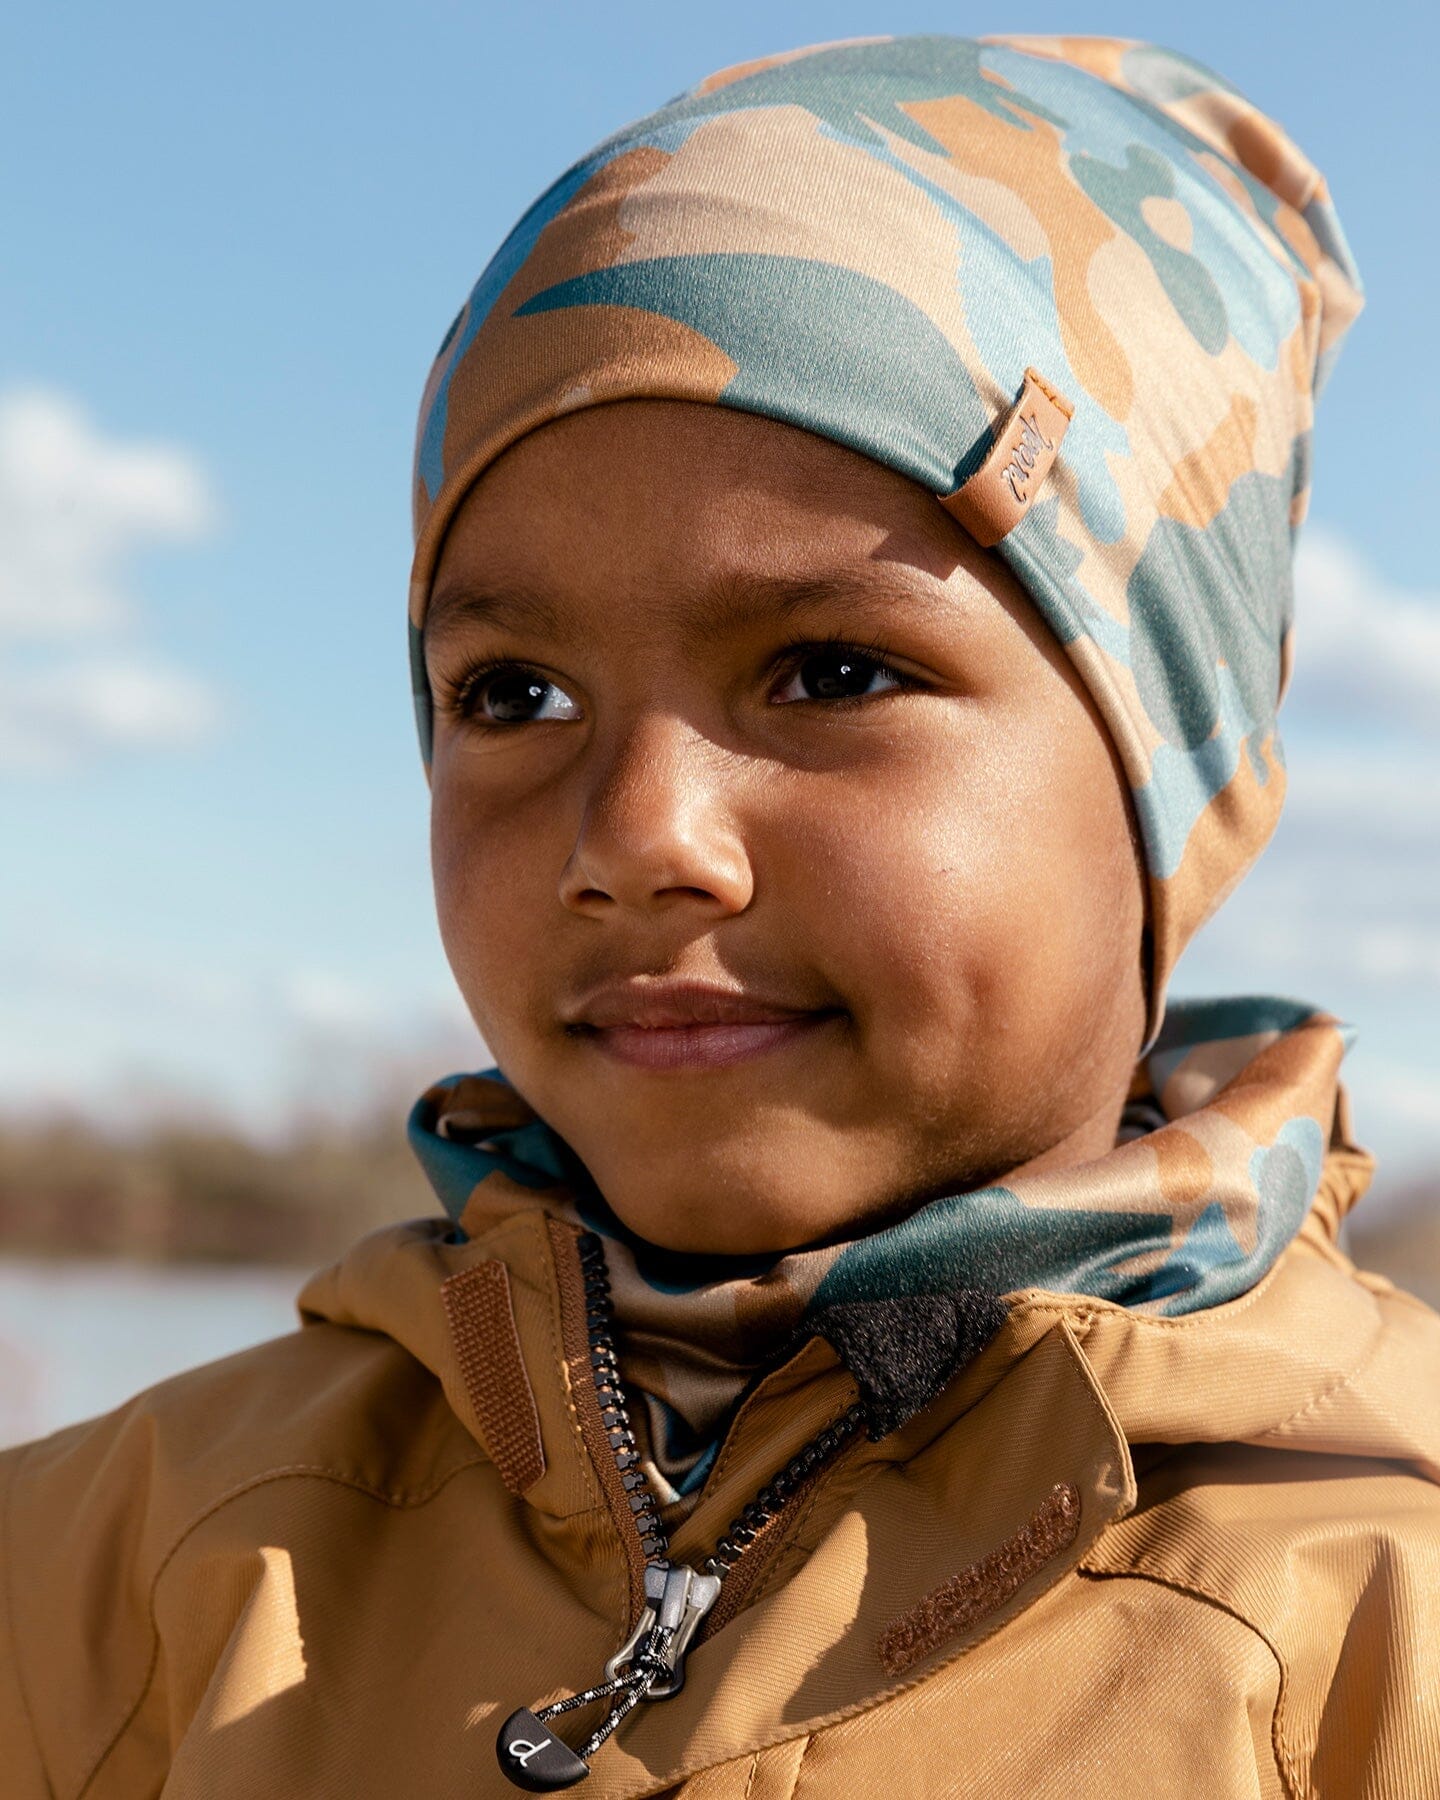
(1000, 492)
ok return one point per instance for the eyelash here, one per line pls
(457, 694)
(869, 650)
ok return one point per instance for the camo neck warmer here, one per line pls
(1218, 1161)
(1080, 289)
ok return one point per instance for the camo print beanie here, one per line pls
(1078, 288)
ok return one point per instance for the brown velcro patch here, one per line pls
(998, 495)
(983, 1586)
(487, 1345)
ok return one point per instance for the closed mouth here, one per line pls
(675, 1025)
(702, 1046)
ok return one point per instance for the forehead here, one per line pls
(719, 510)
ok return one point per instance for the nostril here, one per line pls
(601, 876)
(688, 893)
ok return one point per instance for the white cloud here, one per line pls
(70, 710)
(75, 507)
(1397, 953)
(1370, 650)
(323, 1001)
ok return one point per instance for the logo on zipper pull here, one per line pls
(522, 1750)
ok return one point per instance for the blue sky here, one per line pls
(234, 237)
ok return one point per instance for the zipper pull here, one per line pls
(650, 1665)
(676, 1601)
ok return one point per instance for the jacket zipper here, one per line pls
(650, 1664)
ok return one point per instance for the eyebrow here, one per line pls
(736, 601)
(726, 605)
(517, 609)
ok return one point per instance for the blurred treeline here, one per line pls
(203, 1193)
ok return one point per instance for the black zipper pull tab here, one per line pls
(533, 1759)
(650, 1665)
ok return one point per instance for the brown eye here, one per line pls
(836, 672)
(514, 696)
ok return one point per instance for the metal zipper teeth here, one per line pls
(605, 1371)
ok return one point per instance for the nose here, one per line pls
(657, 828)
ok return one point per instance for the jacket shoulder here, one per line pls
(1334, 1561)
(326, 1398)
(91, 1517)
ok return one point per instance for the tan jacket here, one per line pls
(1119, 1556)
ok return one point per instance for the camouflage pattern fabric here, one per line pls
(875, 241)
(1231, 1113)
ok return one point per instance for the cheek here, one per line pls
(482, 900)
(972, 890)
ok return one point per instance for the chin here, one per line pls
(722, 1223)
(741, 1192)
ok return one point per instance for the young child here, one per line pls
(874, 1347)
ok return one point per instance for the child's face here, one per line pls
(766, 721)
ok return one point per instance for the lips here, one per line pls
(659, 1024)
(659, 1005)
